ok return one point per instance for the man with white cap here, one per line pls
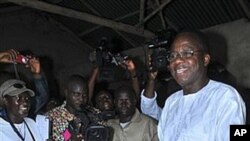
(15, 125)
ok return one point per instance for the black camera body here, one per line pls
(159, 59)
(106, 58)
(106, 115)
(160, 46)
(159, 53)
(98, 133)
(91, 124)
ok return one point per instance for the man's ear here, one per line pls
(206, 59)
(5, 101)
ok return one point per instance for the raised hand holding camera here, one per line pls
(21, 59)
(34, 65)
(8, 56)
(103, 55)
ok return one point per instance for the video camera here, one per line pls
(98, 133)
(160, 46)
(103, 55)
(90, 124)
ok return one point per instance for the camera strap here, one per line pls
(16, 130)
(16, 72)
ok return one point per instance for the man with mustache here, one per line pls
(204, 109)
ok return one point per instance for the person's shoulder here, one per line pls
(147, 118)
(29, 120)
(2, 122)
(54, 110)
(217, 84)
(222, 87)
(223, 91)
(113, 122)
(175, 95)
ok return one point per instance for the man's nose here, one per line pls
(124, 102)
(80, 98)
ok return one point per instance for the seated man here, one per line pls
(131, 125)
(15, 125)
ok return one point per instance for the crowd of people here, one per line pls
(203, 109)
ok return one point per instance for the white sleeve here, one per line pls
(43, 125)
(232, 112)
(150, 107)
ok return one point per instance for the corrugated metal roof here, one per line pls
(179, 14)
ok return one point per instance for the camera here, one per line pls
(81, 119)
(118, 58)
(21, 59)
(103, 55)
(106, 115)
(160, 46)
(91, 124)
(159, 58)
(98, 133)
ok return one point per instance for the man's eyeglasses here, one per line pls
(183, 54)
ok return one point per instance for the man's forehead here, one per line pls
(185, 40)
(77, 84)
(78, 88)
(124, 95)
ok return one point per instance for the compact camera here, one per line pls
(21, 59)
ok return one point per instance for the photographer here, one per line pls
(33, 64)
(68, 114)
(103, 98)
(74, 117)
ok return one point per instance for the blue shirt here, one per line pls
(202, 116)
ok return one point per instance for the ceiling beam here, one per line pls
(142, 13)
(154, 12)
(165, 20)
(117, 19)
(82, 16)
(118, 32)
(161, 15)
